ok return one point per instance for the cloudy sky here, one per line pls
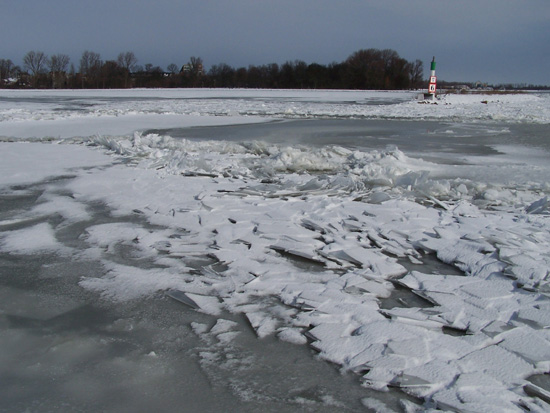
(494, 41)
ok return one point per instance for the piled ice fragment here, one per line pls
(305, 265)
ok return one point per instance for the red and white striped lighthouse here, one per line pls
(433, 81)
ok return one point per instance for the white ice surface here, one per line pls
(124, 106)
(23, 163)
(111, 124)
(39, 238)
(307, 242)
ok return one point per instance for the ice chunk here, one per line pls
(534, 390)
(263, 324)
(476, 392)
(124, 282)
(539, 313)
(425, 380)
(39, 238)
(223, 326)
(292, 335)
(490, 360)
(378, 197)
(538, 207)
(530, 344)
(182, 298)
(206, 304)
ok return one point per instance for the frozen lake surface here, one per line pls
(189, 250)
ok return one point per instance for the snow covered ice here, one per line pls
(407, 243)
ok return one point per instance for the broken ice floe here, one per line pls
(476, 320)
(304, 171)
(539, 207)
(216, 245)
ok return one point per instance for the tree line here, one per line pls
(363, 69)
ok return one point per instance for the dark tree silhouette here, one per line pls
(127, 62)
(35, 62)
(7, 69)
(364, 69)
(90, 69)
(58, 65)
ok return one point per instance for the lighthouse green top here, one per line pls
(433, 64)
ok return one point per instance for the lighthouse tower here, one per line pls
(433, 81)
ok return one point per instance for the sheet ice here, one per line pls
(31, 113)
(313, 245)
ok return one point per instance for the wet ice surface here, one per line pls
(62, 349)
(226, 265)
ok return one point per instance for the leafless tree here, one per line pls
(89, 62)
(90, 67)
(6, 68)
(127, 61)
(417, 73)
(222, 75)
(173, 68)
(195, 64)
(364, 69)
(35, 62)
(193, 72)
(59, 63)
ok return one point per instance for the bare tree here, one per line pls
(417, 73)
(35, 62)
(222, 75)
(365, 70)
(89, 62)
(58, 69)
(173, 68)
(193, 72)
(128, 62)
(113, 75)
(6, 68)
(59, 63)
(292, 74)
(90, 67)
(195, 64)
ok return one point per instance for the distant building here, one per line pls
(189, 69)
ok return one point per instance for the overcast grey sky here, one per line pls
(495, 41)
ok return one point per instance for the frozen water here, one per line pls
(64, 349)
(260, 237)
